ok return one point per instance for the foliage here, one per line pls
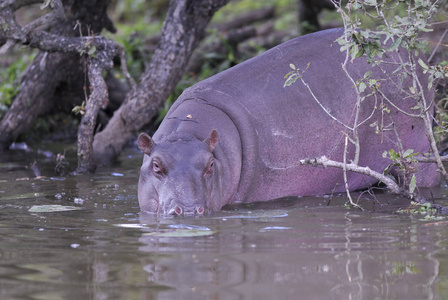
(81, 109)
(138, 11)
(229, 10)
(418, 208)
(132, 38)
(136, 21)
(9, 78)
(293, 75)
(397, 29)
(406, 164)
(400, 29)
(400, 268)
(427, 210)
(286, 19)
(441, 131)
(57, 126)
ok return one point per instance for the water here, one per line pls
(302, 248)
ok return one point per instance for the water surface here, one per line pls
(296, 248)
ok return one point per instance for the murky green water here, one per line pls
(309, 248)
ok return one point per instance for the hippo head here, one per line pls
(179, 175)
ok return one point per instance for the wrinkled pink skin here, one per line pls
(255, 132)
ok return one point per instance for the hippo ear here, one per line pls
(145, 143)
(212, 140)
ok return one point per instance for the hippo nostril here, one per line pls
(199, 210)
(176, 210)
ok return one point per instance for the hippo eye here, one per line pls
(157, 167)
(209, 170)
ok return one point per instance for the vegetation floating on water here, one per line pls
(51, 208)
(430, 212)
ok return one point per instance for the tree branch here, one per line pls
(58, 63)
(325, 162)
(57, 14)
(98, 97)
(431, 159)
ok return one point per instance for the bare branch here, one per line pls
(56, 14)
(6, 3)
(6, 47)
(431, 159)
(17, 4)
(74, 45)
(124, 69)
(325, 162)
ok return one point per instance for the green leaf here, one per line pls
(393, 155)
(422, 64)
(430, 82)
(360, 53)
(412, 184)
(412, 89)
(354, 50)
(292, 66)
(408, 152)
(46, 3)
(395, 44)
(289, 73)
(362, 87)
(386, 170)
(372, 82)
(290, 80)
(92, 50)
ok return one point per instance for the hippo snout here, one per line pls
(178, 210)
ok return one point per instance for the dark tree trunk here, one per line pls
(182, 31)
(49, 71)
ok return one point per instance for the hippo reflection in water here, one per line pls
(238, 136)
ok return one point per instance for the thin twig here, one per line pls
(124, 68)
(347, 189)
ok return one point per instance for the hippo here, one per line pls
(239, 136)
